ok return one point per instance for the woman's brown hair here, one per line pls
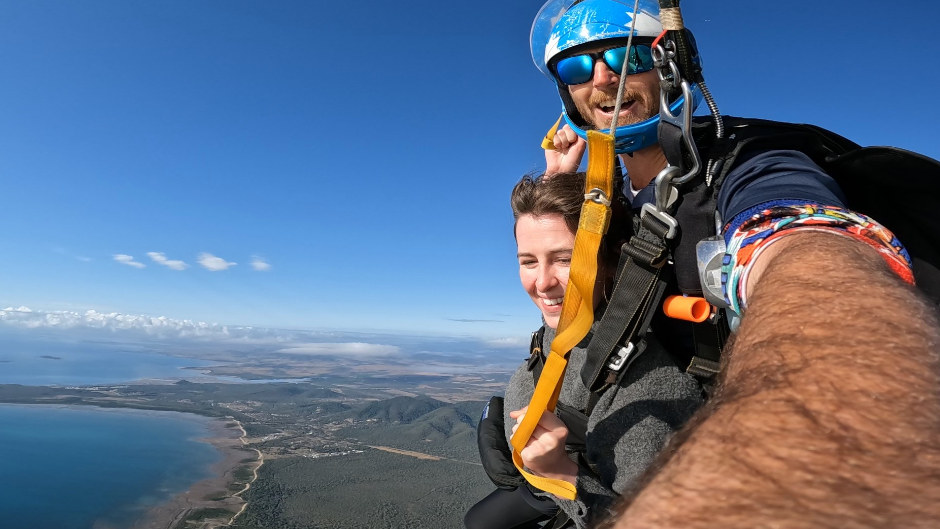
(563, 194)
(560, 194)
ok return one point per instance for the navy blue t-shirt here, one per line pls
(763, 179)
(775, 177)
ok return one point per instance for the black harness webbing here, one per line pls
(896, 187)
(709, 337)
(638, 287)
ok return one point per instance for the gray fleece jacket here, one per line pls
(627, 428)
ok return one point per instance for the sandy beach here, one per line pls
(220, 493)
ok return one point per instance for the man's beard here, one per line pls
(645, 106)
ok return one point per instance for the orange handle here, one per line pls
(687, 308)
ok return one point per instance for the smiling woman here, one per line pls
(545, 244)
(547, 211)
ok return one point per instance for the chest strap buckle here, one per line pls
(620, 356)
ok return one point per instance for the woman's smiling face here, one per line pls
(544, 245)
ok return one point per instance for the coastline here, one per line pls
(215, 501)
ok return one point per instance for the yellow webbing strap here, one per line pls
(548, 142)
(577, 312)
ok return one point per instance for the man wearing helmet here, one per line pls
(584, 54)
(828, 402)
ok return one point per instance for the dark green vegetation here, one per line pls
(202, 514)
(420, 424)
(334, 457)
(338, 492)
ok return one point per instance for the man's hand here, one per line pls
(545, 453)
(566, 157)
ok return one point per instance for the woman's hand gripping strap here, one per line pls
(577, 312)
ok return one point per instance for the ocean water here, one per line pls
(79, 467)
(34, 361)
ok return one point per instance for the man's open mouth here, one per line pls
(609, 107)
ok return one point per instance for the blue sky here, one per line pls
(347, 165)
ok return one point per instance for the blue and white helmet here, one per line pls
(564, 24)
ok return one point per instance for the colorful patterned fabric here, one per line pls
(767, 224)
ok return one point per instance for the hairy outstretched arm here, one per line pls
(828, 413)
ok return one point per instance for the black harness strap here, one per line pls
(638, 287)
(710, 338)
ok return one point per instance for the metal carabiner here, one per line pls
(666, 194)
(684, 122)
(664, 60)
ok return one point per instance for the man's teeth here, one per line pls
(553, 302)
(609, 107)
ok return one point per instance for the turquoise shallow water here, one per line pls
(70, 467)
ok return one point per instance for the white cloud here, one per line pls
(128, 260)
(160, 258)
(283, 341)
(344, 349)
(400, 353)
(213, 263)
(514, 342)
(113, 321)
(259, 264)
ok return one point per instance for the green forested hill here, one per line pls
(421, 424)
(399, 409)
(371, 488)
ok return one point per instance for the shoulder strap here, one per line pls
(637, 290)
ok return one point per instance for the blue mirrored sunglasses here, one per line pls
(579, 69)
